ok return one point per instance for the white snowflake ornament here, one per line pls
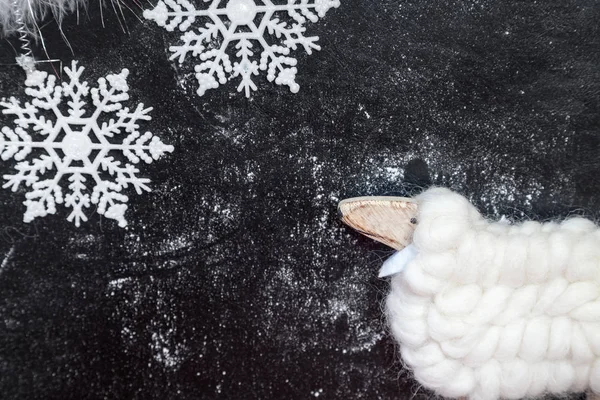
(65, 140)
(246, 23)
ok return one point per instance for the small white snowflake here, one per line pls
(245, 22)
(76, 144)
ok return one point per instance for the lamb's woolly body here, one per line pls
(32, 12)
(492, 310)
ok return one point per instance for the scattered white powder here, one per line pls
(166, 353)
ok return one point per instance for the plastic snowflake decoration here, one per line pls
(73, 146)
(245, 23)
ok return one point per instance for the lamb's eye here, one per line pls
(413, 221)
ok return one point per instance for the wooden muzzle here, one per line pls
(389, 220)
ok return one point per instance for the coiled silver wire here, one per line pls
(22, 30)
(25, 60)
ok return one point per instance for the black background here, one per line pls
(235, 278)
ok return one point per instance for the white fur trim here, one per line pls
(32, 11)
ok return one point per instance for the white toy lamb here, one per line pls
(488, 310)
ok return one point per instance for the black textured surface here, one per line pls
(234, 278)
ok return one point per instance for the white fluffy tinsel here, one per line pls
(33, 12)
(493, 310)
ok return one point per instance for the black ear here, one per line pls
(389, 220)
(416, 174)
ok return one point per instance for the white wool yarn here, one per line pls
(21, 16)
(489, 310)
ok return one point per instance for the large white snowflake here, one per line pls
(245, 22)
(64, 140)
